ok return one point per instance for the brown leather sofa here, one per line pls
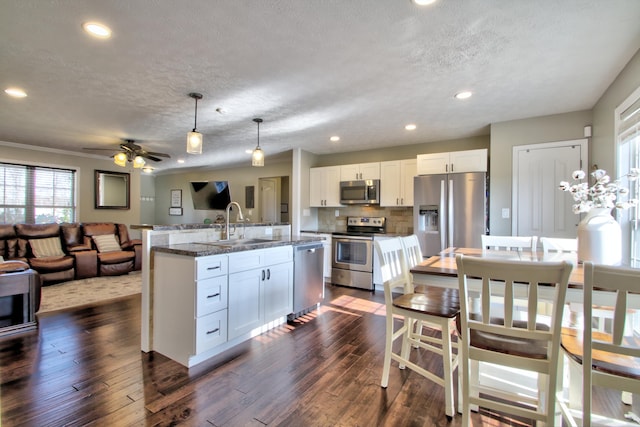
(61, 252)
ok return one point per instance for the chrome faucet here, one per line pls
(239, 218)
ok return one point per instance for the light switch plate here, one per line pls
(505, 213)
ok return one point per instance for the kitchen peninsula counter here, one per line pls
(199, 249)
(209, 296)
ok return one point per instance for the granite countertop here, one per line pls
(196, 226)
(198, 249)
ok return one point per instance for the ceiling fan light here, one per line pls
(194, 142)
(257, 158)
(120, 159)
(138, 162)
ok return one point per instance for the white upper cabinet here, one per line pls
(453, 162)
(360, 171)
(324, 186)
(396, 182)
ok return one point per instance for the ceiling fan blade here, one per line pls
(99, 149)
(153, 153)
(147, 156)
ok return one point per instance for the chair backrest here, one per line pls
(412, 251)
(553, 244)
(510, 243)
(622, 281)
(503, 331)
(506, 281)
(393, 267)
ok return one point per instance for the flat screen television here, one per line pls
(210, 195)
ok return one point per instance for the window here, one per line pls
(36, 195)
(628, 138)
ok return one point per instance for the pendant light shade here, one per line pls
(257, 158)
(194, 138)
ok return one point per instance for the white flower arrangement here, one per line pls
(603, 194)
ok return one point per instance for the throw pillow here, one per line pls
(46, 247)
(106, 243)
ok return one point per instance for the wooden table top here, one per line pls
(445, 263)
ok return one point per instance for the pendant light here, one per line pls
(257, 158)
(194, 138)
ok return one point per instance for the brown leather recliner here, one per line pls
(53, 265)
(114, 261)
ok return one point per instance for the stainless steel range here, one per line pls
(352, 255)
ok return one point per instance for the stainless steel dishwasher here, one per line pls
(308, 278)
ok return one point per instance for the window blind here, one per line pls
(36, 194)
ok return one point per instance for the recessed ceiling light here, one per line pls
(97, 29)
(15, 92)
(424, 2)
(463, 95)
(334, 138)
(180, 160)
(410, 126)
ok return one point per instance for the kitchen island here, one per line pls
(209, 296)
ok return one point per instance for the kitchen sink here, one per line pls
(238, 242)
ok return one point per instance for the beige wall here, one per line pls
(85, 166)
(238, 179)
(401, 152)
(603, 149)
(505, 136)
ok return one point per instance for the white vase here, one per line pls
(599, 238)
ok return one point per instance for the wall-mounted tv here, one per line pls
(210, 194)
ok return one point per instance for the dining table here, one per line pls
(441, 270)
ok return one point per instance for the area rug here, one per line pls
(78, 293)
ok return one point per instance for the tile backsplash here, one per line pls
(399, 220)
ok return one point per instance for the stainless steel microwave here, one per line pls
(362, 192)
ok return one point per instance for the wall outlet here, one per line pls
(505, 213)
(268, 231)
(337, 212)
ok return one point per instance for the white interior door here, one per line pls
(539, 207)
(269, 202)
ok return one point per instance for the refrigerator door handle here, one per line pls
(441, 218)
(450, 213)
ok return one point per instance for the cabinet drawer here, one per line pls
(211, 266)
(278, 255)
(211, 331)
(211, 295)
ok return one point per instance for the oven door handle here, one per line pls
(347, 238)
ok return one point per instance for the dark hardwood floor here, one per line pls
(85, 367)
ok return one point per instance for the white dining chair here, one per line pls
(496, 331)
(437, 306)
(509, 243)
(559, 245)
(610, 360)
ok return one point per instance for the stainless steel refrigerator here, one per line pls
(449, 210)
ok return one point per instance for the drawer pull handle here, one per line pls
(213, 268)
(217, 294)
(213, 332)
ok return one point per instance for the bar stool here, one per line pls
(438, 306)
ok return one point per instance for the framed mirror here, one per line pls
(112, 190)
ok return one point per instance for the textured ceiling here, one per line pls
(360, 69)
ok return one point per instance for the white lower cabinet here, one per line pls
(189, 305)
(259, 295)
(203, 306)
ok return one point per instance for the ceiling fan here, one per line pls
(132, 152)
